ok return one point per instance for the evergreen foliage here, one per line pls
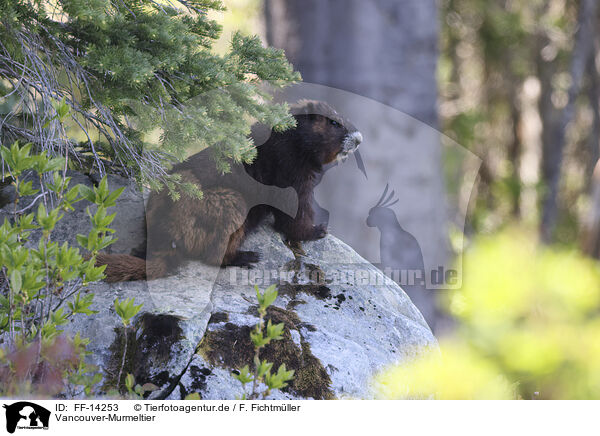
(133, 71)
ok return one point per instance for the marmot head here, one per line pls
(322, 132)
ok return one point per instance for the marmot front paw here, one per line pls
(243, 259)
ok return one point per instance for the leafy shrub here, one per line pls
(43, 282)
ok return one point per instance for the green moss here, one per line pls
(227, 347)
(230, 347)
(312, 376)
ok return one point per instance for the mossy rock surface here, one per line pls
(337, 333)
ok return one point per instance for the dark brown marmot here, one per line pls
(212, 228)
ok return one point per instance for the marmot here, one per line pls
(211, 229)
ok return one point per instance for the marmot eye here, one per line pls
(334, 123)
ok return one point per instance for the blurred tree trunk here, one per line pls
(385, 50)
(590, 235)
(515, 147)
(590, 240)
(594, 98)
(554, 136)
(382, 49)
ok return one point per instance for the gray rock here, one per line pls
(339, 332)
(344, 320)
(129, 222)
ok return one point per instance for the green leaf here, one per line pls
(264, 368)
(102, 189)
(26, 189)
(58, 317)
(280, 379)
(49, 330)
(267, 298)
(71, 194)
(258, 340)
(274, 332)
(15, 280)
(82, 240)
(270, 295)
(126, 309)
(111, 199)
(41, 213)
(244, 376)
(55, 164)
(259, 296)
(63, 109)
(87, 193)
(81, 305)
(129, 381)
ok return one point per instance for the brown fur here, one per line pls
(213, 228)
